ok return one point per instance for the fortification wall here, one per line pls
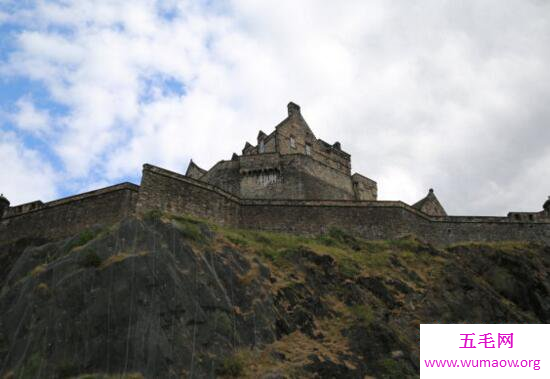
(371, 220)
(225, 175)
(162, 189)
(385, 220)
(293, 176)
(448, 231)
(327, 175)
(168, 191)
(71, 215)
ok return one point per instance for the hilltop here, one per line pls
(165, 295)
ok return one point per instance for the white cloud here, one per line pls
(30, 119)
(443, 94)
(27, 176)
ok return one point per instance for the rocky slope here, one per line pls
(166, 296)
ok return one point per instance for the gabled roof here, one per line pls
(430, 205)
(261, 135)
(194, 171)
(294, 114)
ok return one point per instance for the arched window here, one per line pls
(308, 149)
(261, 147)
(292, 142)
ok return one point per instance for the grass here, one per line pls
(82, 239)
(191, 228)
(232, 366)
(38, 270)
(362, 313)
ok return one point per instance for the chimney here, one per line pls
(293, 108)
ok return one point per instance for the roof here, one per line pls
(430, 205)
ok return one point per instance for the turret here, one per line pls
(4, 205)
(546, 206)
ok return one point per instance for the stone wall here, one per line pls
(162, 189)
(68, 216)
(171, 192)
(168, 191)
(364, 188)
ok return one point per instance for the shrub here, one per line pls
(82, 239)
(153, 215)
(90, 259)
(232, 366)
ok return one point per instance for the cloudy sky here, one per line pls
(453, 95)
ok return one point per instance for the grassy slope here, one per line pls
(349, 307)
(401, 274)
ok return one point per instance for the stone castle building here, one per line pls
(289, 163)
(289, 181)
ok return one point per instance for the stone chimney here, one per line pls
(546, 206)
(4, 205)
(293, 108)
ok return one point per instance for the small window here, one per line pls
(292, 142)
(261, 148)
(308, 149)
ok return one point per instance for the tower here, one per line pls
(4, 205)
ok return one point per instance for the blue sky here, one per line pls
(444, 94)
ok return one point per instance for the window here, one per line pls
(308, 149)
(292, 142)
(261, 147)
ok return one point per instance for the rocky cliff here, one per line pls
(165, 296)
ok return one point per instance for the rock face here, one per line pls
(167, 296)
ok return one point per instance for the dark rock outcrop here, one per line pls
(167, 296)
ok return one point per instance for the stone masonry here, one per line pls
(288, 181)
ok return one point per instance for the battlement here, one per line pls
(279, 184)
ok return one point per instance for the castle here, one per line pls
(289, 181)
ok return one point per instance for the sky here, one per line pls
(453, 95)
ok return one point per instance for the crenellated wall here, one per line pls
(68, 216)
(162, 189)
(171, 192)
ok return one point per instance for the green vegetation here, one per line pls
(42, 290)
(67, 370)
(31, 367)
(82, 239)
(222, 322)
(38, 270)
(153, 215)
(190, 228)
(136, 375)
(232, 366)
(90, 259)
(362, 313)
